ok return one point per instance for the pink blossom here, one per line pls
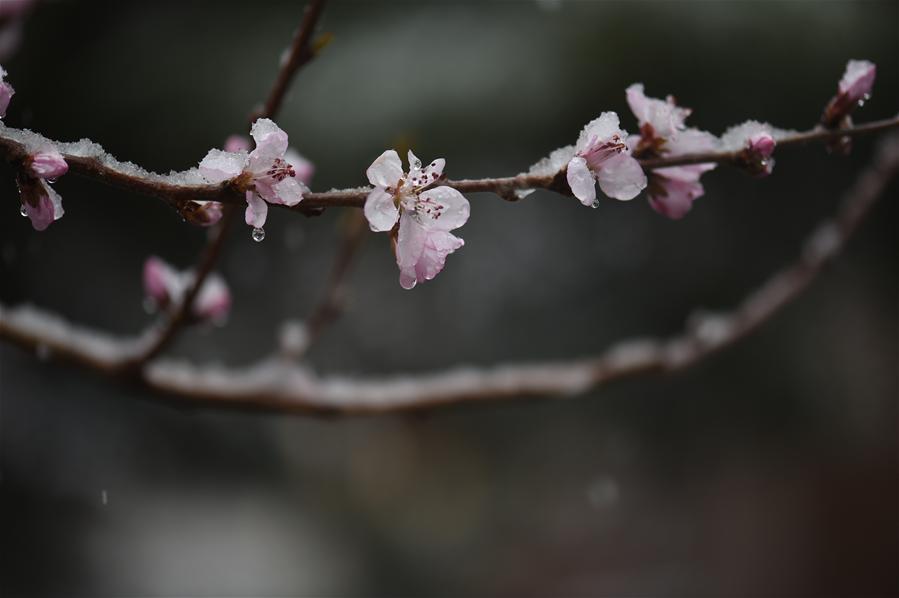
(40, 202)
(264, 174)
(662, 118)
(672, 190)
(425, 214)
(6, 93)
(663, 133)
(755, 143)
(602, 155)
(303, 168)
(854, 88)
(166, 287)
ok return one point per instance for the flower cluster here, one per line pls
(425, 214)
(165, 287)
(264, 175)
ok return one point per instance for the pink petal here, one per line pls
(303, 168)
(621, 177)
(48, 164)
(676, 196)
(214, 299)
(288, 192)
(581, 181)
(220, 166)
(761, 144)
(271, 141)
(160, 280)
(421, 253)
(237, 143)
(858, 80)
(6, 94)
(386, 170)
(44, 208)
(257, 210)
(380, 210)
(665, 117)
(442, 208)
(599, 130)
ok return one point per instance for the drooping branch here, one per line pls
(280, 385)
(91, 161)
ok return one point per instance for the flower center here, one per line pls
(280, 170)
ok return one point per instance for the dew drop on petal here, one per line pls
(595, 204)
(51, 181)
(258, 234)
(23, 211)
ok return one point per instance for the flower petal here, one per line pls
(220, 166)
(421, 253)
(665, 117)
(581, 181)
(599, 130)
(214, 299)
(380, 210)
(160, 280)
(621, 177)
(257, 210)
(675, 197)
(303, 168)
(270, 139)
(386, 170)
(858, 80)
(442, 208)
(288, 192)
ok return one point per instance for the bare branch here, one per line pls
(276, 384)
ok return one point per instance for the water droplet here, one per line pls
(595, 204)
(258, 234)
(51, 181)
(23, 211)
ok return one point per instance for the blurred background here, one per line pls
(769, 470)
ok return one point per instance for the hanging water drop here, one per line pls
(595, 204)
(23, 211)
(258, 234)
(51, 181)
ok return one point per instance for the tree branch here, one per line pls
(276, 384)
(179, 187)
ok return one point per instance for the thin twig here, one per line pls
(300, 53)
(277, 385)
(331, 305)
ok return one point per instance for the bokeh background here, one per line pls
(769, 470)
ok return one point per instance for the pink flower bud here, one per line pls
(202, 213)
(214, 300)
(159, 277)
(47, 164)
(40, 202)
(854, 88)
